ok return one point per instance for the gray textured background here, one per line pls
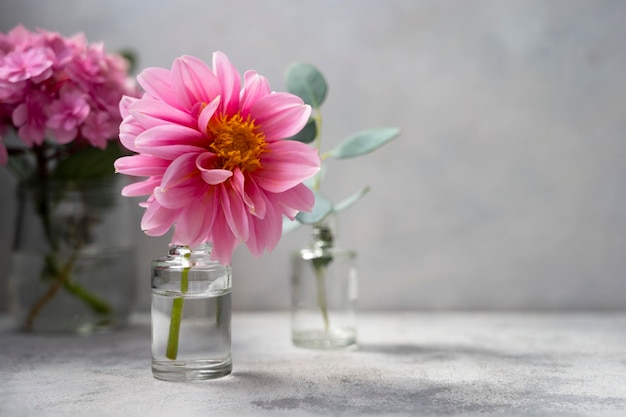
(506, 189)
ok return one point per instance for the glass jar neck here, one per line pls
(323, 236)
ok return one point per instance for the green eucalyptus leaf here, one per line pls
(89, 163)
(308, 83)
(350, 201)
(322, 208)
(364, 142)
(307, 134)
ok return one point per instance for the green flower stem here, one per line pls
(321, 295)
(60, 279)
(96, 304)
(177, 314)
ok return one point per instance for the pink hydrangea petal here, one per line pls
(229, 80)
(33, 135)
(194, 82)
(255, 86)
(287, 164)
(20, 114)
(280, 115)
(62, 136)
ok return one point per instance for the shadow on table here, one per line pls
(444, 352)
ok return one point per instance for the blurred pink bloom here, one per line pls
(98, 128)
(30, 118)
(32, 64)
(61, 89)
(66, 114)
(218, 168)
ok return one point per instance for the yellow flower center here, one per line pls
(237, 142)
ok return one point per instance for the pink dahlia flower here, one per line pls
(212, 149)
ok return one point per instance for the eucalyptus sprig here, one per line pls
(307, 82)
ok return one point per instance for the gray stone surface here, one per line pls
(425, 364)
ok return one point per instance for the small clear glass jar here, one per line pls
(191, 315)
(324, 293)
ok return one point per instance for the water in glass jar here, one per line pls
(203, 339)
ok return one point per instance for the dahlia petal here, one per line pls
(168, 135)
(129, 130)
(156, 82)
(195, 221)
(256, 197)
(223, 240)
(141, 188)
(287, 164)
(238, 184)
(215, 176)
(255, 86)
(234, 212)
(150, 113)
(180, 170)
(179, 197)
(124, 106)
(296, 199)
(266, 233)
(157, 220)
(141, 165)
(207, 113)
(206, 163)
(229, 80)
(193, 81)
(170, 141)
(280, 115)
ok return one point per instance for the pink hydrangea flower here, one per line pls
(32, 64)
(218, 168)
(60, 89)
(30, 118)
(66, 114)
(98, 128)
